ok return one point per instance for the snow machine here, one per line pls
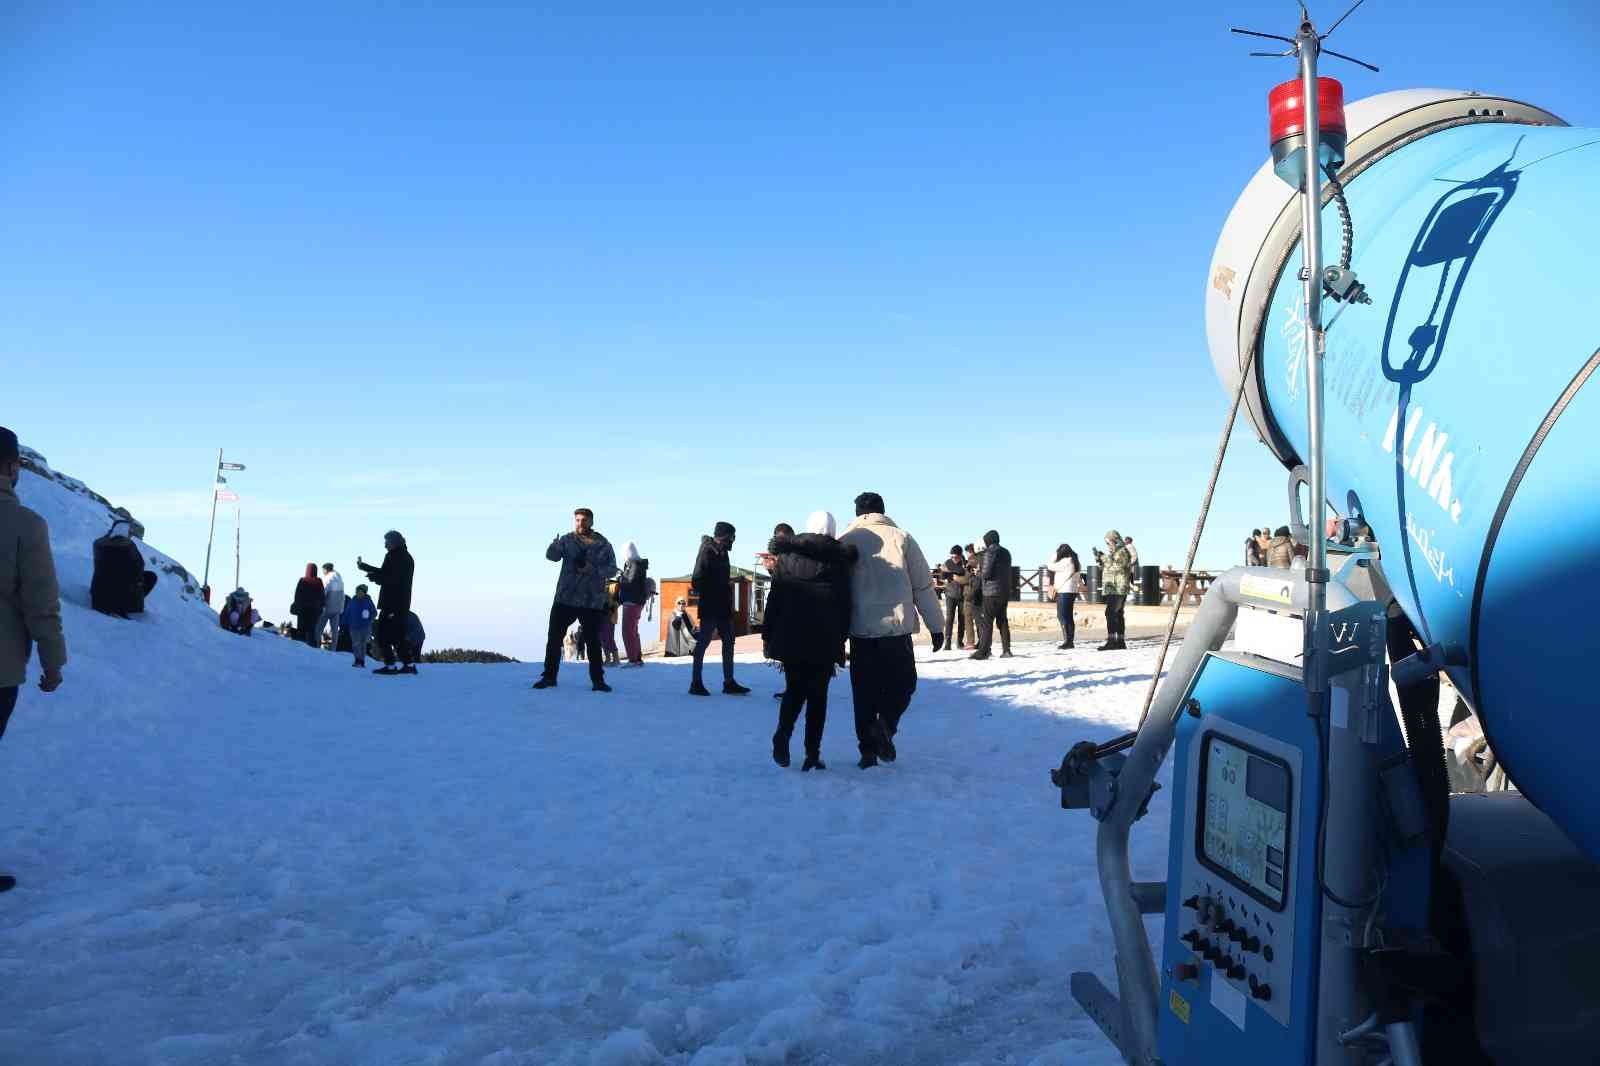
(1328, 899)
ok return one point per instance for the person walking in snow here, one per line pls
(956, 579)
(332, 605)
(712, 581)
(587, 563)
(396, 575)
(891, 584)
(238, 614)
(809, 623)
(1066, 576)
(30, 599)
(996, 577)
(681, 634)
(635, 589)
(307, 606)
(359, 615)
(1116, 578)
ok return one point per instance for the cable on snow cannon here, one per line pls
(1328, 899)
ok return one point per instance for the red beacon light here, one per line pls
(1286, 110)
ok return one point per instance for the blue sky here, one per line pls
(459, 269)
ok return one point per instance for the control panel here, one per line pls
(1234, 923)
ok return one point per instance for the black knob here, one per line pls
(1254, 983)
(1186, 971)
(1236, 971)
(1236, 935)
(1192, 938)
(1266, 953)
(1212, 953)
(1252, 943)
(1225, 925)
(1262, 992)
(1193, 903)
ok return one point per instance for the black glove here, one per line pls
(938, 641)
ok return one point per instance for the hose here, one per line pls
(1199, 529)
(1346, 226)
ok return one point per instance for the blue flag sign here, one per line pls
(230, 466)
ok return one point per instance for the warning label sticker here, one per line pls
(1270, 589)
(1179, 1005)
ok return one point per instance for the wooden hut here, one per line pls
(749, 600)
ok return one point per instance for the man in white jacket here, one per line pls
(332, 604)
(890, 585)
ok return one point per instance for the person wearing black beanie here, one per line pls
(712, 582)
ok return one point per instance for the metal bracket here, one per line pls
(1340, 641)
(1102, 1007)
(1422, 665)
(1088, 780)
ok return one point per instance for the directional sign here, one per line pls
(227, 497)
(230, 466)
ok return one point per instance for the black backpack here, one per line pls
(634, 587)
(120, 582)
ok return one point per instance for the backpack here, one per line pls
(120, 581)
(635, 586)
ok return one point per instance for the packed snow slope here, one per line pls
(239, 850)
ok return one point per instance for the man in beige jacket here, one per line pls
(890, 585)
(30, 607)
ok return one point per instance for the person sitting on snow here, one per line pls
(238, 614)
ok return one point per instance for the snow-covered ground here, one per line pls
(243, 851)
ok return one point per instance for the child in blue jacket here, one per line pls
(359, 614)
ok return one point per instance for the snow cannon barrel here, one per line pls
(1461, 421)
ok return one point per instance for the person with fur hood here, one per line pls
(1116, 579)
(891, 584)
(807, 621)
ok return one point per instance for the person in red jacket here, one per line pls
(307, 608)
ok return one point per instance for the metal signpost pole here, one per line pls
(205, 582)
(1308, 45)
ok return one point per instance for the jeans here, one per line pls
(1065, 601)
(359, 635)
(805, 685)
(630, 631)
(8, 703)
(710, 624)
(883, 677)
(955, 619)
(994, 614)
(562, 615)
(330, 622)
(1116, 625)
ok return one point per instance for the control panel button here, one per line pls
(1193, 903)
(1252, 944)
(1262, 992)
(1266, 953)
(1236, 971)
(1186, 971)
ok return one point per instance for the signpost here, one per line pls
(220, 494)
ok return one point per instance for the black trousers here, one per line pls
(883, 675)
(710, 624)
(392, 637)
(562, 616)
(305, 626)
(994, 614)
(805, 685)
(1116, 625)
(8, 703)
(955, 620)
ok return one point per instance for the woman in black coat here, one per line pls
(808, 619)
(307, 609)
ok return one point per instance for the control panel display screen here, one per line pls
(1245, 828)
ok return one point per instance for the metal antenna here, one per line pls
(1306, 27)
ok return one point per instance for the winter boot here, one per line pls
(697, 689)
(386, 670)
(408, 669)
(780, 749)
(545, 682)
(867, 761)
(601, 686)
(979, 655)
(813, 762)
(886, 750)
(731, 687)
(1109, 645)
(7, 882)
(1006, 654)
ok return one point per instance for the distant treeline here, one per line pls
(465, 655)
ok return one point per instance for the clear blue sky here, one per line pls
(458, 269)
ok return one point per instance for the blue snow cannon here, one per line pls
(1331, 895)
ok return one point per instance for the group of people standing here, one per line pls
(1276, 548)
(320, 606)
(869, 585)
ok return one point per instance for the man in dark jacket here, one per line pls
(712, 582)
(808, 623)
(30, 599)
(996, 578)
(953, 573)
(394, 602)
(588, 562)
